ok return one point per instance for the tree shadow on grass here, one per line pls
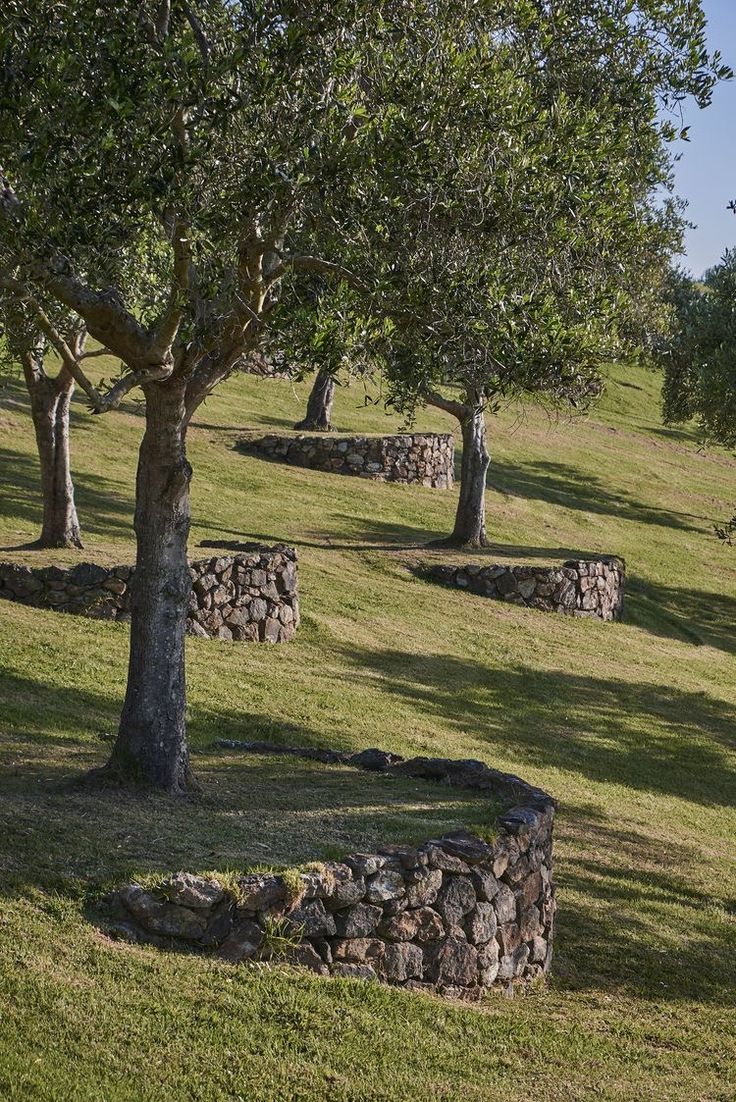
(646, 736)
(573, 488)
(632, 918)
(696, 615)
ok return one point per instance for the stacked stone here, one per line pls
(589, 587)
(424, 458)
(456, 915)
(249, 597)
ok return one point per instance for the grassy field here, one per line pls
(631, 726)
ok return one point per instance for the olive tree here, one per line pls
(578, 233)
(212, 158)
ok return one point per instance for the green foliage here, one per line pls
(480, 177)
(699, 359)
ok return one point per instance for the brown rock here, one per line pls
(422, 924)
(402, 962)
(424, 889)
(451, 961)
(244, 942)
(261, 893)
(509, 937)
(361, 950)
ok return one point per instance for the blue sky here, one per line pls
(706, 174)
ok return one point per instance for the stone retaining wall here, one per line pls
(250, 597)
(591, 587)
(424, 458)
(456, 914)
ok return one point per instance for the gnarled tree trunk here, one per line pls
(151, 743)
(470, 517)
(319, 405)
(50, 401)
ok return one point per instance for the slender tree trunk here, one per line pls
(50, 401)
(319, 406)
(470, 518)
(151, 745)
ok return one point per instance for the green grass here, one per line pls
(630, 725)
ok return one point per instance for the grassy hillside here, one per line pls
(630, 725)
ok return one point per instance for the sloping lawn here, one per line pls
(632, 726)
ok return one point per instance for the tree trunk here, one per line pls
(50, 401)
(151, 745)
(319, 406)
(470, 518)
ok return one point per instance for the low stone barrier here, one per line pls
(424, 458)
(251, 597)
(457, 915)
(589, 587)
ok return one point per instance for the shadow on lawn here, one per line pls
(573, 488)
(633, 916)
(648, 737)
(630, 919)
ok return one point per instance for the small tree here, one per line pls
(26, 342)
(212, 155)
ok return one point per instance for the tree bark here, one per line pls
(50, 401)
(151, 745)
(319, 406)
(470, 517)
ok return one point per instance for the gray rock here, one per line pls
(504, 903)
(481, 924)
(468, 847)
(359, 921)
(193, 891)
(311, 919)
(455, 899)
(384, 885)
(354, 971)
(261, 893)
(402, 962)
(485, 884)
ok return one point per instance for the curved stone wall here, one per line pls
(250, 597)
(424, 458)
(456, 915)
(586, 587)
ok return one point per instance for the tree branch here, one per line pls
(47, 327)
(455, 409)
(168, 326)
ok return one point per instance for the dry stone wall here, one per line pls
(424, 458)
(590, 587)
(456, 915)
(251, 597)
